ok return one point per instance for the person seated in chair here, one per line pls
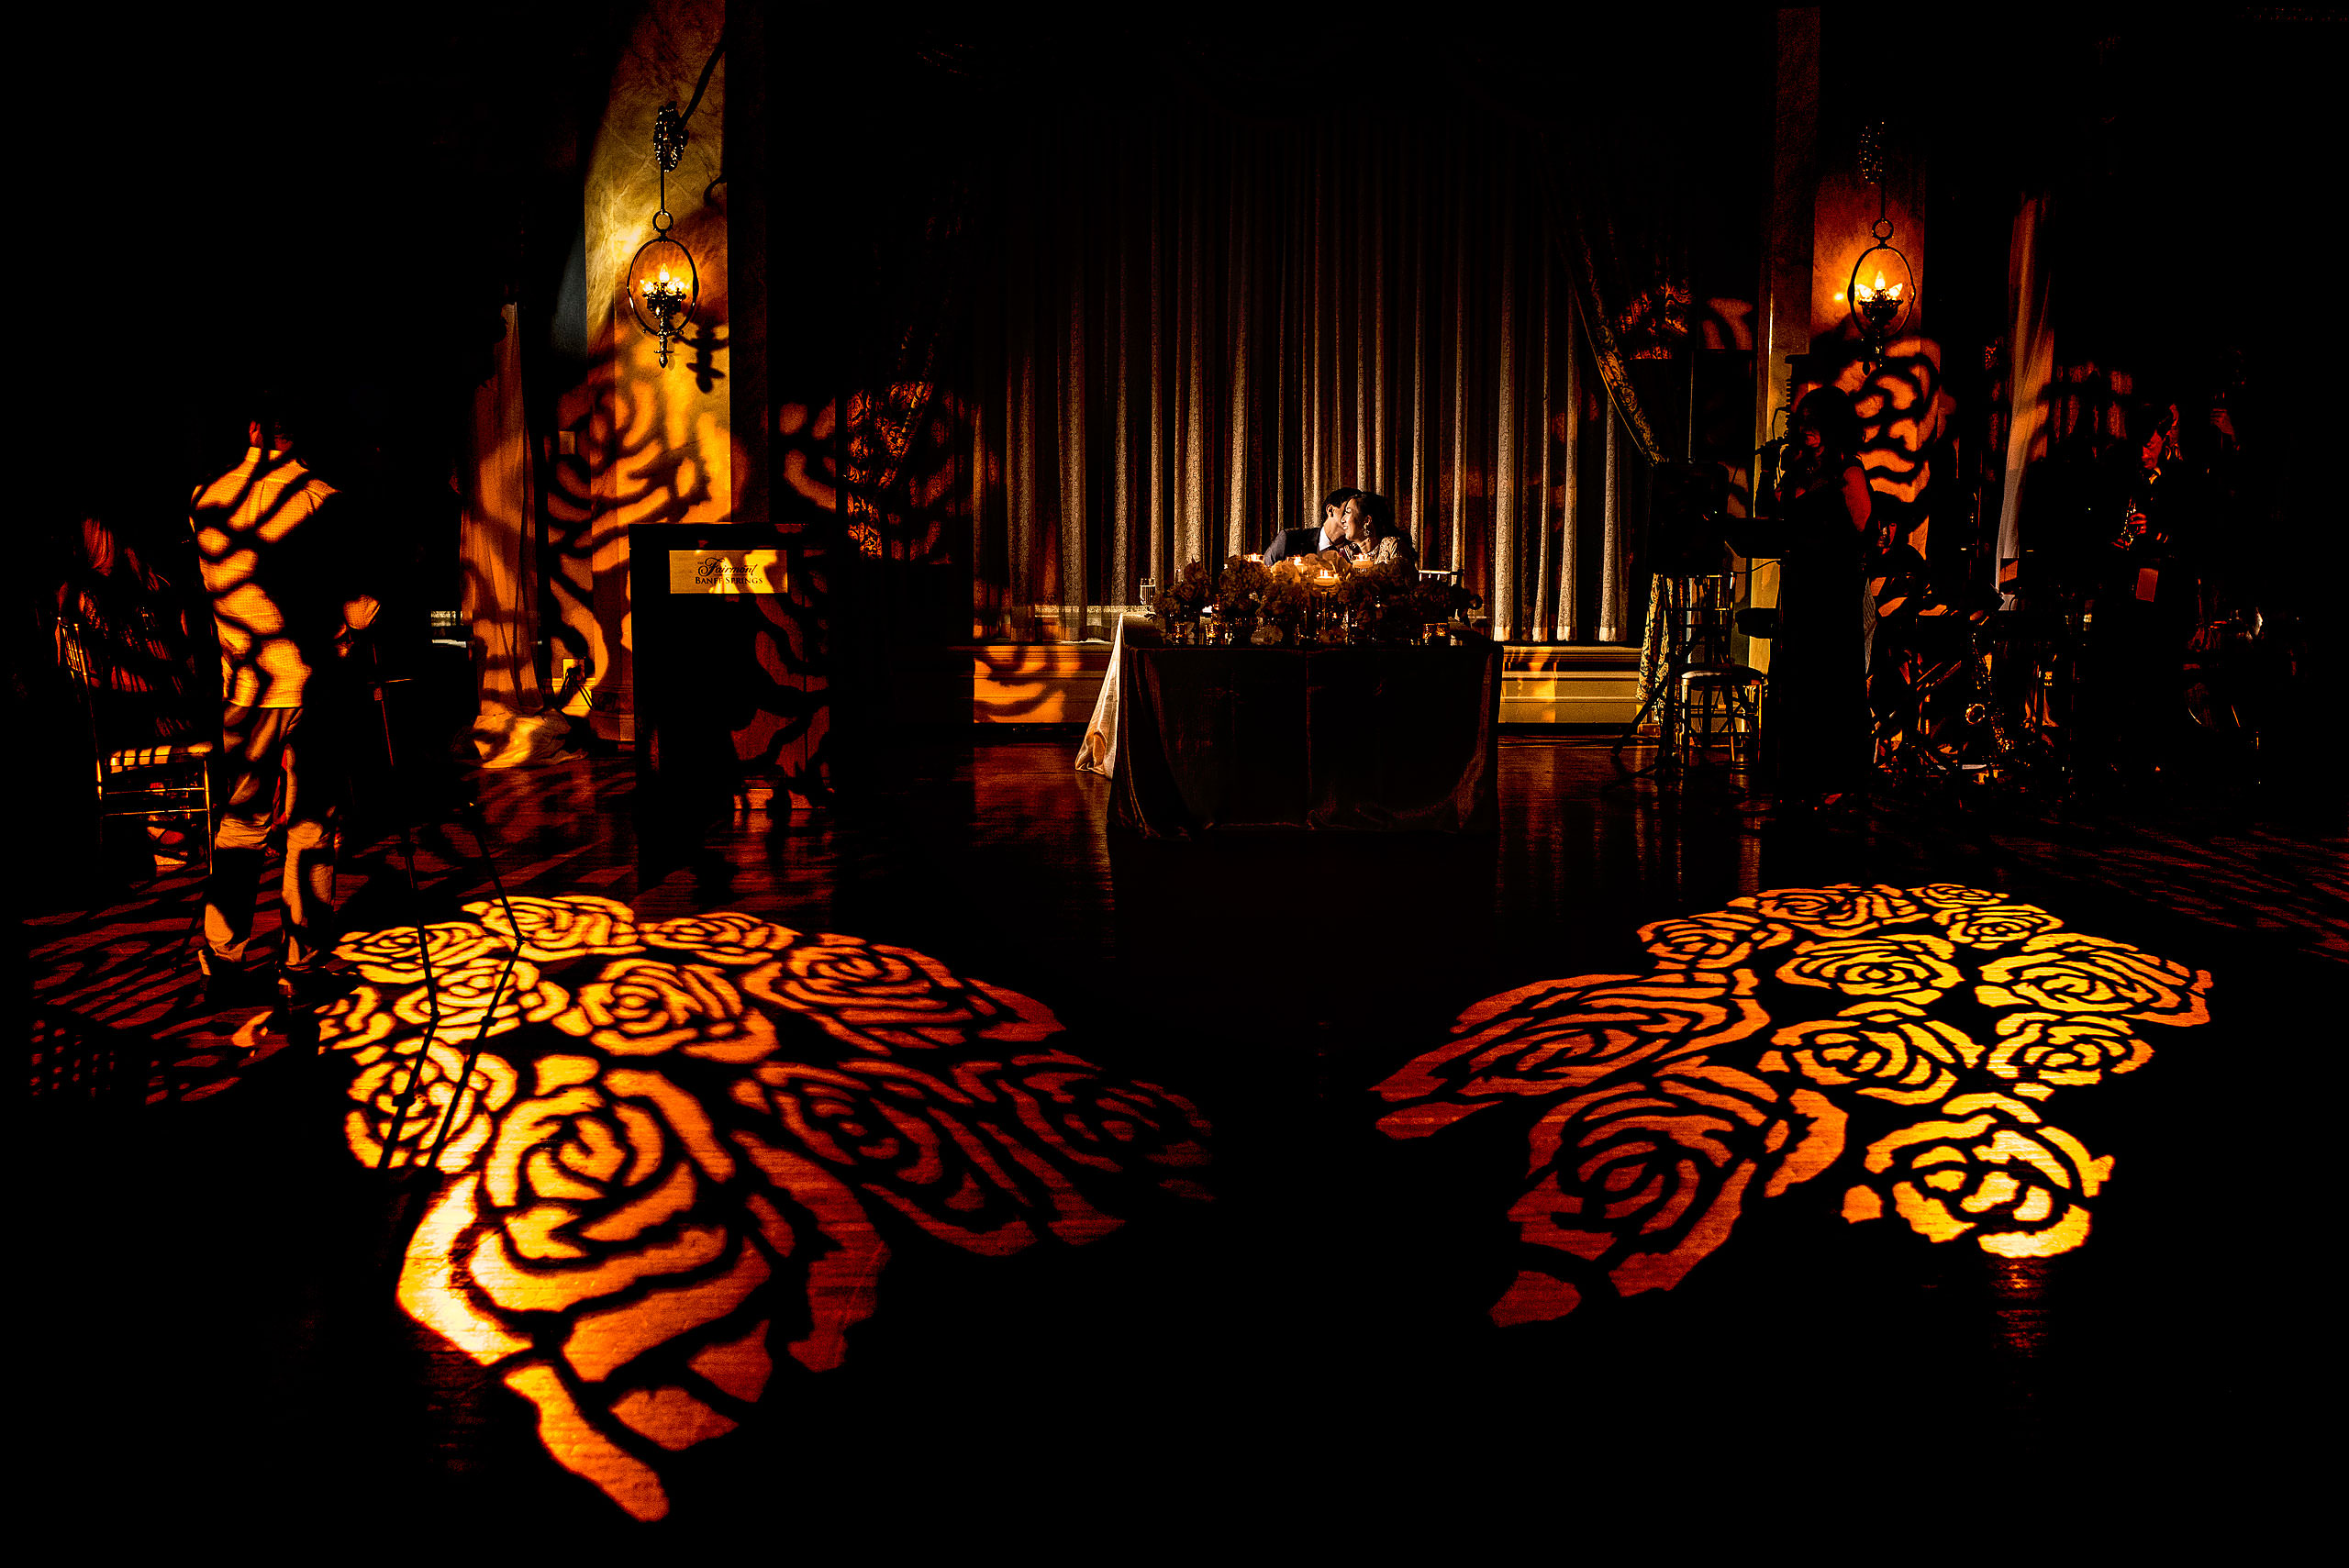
(1376, 540)
(1341, 514)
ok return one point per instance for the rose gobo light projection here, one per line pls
(1904, 1040)
(684, 1146)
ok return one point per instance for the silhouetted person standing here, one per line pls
(1817, 719)
(285, 606)
(2142, 503)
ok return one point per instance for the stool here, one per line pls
(1719, 702)
(169, 779)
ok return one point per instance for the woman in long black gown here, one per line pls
(1818, 712)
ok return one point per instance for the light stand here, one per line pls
(1679, 630)
(472, 809)
(1685, 513)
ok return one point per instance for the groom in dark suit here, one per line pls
(1338, 514)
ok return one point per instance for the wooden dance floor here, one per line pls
(994, 1178)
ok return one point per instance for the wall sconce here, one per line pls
(663, 283)
(1880, 306)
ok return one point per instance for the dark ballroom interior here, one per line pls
(815, 784)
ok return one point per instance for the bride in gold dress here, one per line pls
(1376, 540)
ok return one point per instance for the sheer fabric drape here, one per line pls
(498, 549)
(1196, 328)
(2031, 370)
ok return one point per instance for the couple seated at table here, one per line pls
(1356, 525)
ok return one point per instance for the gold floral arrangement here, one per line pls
(1359, 590)
(1300, 594)
(1434, 599)
(1287, 602)
(1381, 601)
(1318, 574)
(1901, 1044)
(1239, 595)
(1431, 602)
(685, 1148)
(1191, 592)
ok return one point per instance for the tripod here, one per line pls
(468, 808)
(1903, 740)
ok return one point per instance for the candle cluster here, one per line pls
(663, 297)
(1308, 600)
(1867, 294)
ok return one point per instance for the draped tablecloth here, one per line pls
(1097, 753)
(1380, 739)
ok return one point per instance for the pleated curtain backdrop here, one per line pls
(1195, 330)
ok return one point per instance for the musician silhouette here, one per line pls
(286, 608)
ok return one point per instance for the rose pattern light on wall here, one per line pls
(685, 1145)
(1901, 1040)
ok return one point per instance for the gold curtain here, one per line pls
(500, 522)
(1197, 326)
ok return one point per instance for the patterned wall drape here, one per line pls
(495, 546)
(1199, 326)
(2030, 360)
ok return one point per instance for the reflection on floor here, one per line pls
(625, 1261)
(2292, 892)
(118, 1007)
(662, 1142)
(1668, 1102)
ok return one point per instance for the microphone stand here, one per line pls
(472, 809)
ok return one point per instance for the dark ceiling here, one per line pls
(349, 192)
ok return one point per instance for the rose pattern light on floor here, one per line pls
(680, 1145)
(1901, 1040)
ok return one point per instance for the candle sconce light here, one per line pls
(663, 285)
(1881, 292)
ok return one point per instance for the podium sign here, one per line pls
(732, 572)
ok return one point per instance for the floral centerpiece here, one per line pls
(1240, 595)
(1287, 602)
(1377, 601)
(1308, 586)
(1433, 602)
(1180, 602)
